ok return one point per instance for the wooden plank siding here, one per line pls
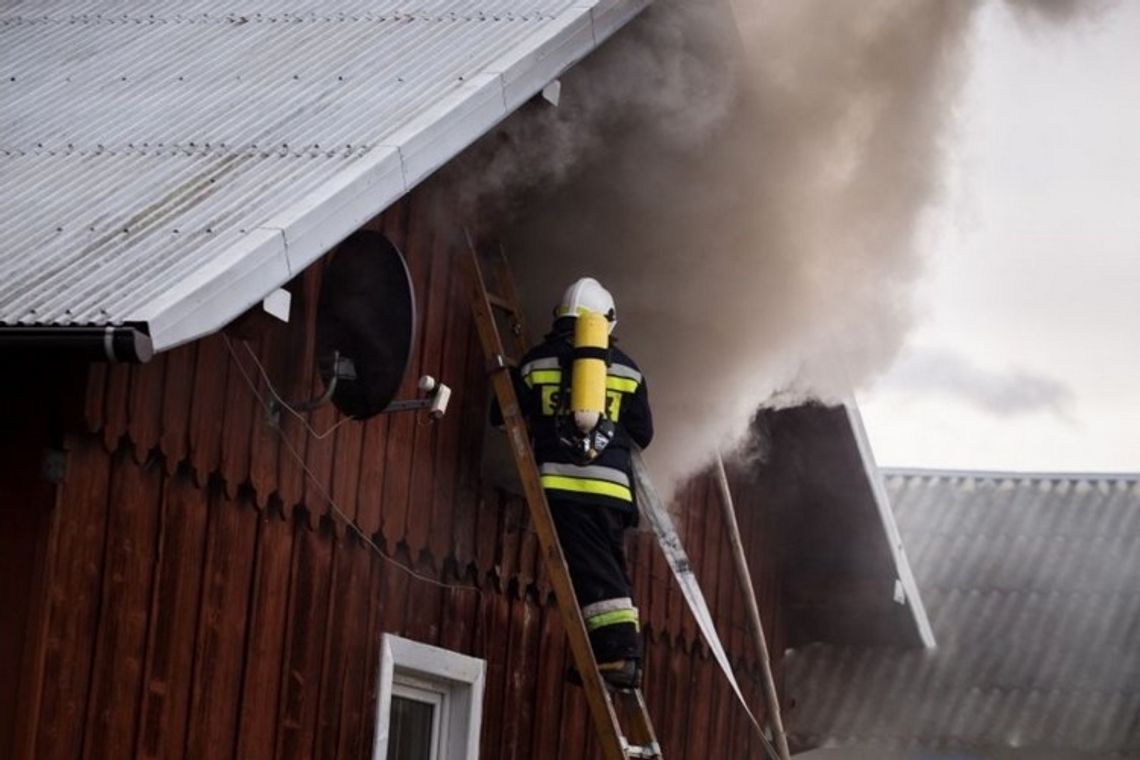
(216, 587)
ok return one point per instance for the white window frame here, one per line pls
(423, 672)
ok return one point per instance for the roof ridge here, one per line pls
(1008, 474)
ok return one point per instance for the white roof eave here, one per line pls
(273, 252)
(906, 580)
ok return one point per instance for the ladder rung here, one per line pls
(651, 750)
(501, 303)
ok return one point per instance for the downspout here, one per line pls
(111, 343)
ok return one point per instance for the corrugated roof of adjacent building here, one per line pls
(168, 165)
(1031, 586)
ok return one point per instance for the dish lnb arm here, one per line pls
(437, 397)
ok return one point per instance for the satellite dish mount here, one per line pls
(366, 316)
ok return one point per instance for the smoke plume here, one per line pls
(1002, 394)
(747, 180)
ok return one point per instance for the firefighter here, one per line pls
(586, 403)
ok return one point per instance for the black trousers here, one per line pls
(593, 542)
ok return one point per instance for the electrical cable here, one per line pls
(343, 518)
(277, 396)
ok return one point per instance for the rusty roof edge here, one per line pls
(306, 231)
(906, 578)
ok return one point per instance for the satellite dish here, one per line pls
(366, 317)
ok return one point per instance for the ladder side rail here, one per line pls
(641, 733)
(511, 295)
(597, 697)
(629, 704)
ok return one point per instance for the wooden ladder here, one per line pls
(609, 707)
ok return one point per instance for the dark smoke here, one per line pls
(748, 181)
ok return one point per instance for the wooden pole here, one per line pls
(729, 511)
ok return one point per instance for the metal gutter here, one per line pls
(99, 343)
(894, 539)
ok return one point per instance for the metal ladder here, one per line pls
(609, 707)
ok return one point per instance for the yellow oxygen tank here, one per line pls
(588, 371)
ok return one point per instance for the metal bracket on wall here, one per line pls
(436, 399)
(341, 367)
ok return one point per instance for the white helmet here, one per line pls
(587, 294)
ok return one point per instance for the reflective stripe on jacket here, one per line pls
(539, 383)
(610, 612)
(588, 479)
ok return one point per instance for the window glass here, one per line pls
(410, 729)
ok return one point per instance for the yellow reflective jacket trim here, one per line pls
(623, 384)
(588, 471)
(587, 485)
(543, 377)
(616, 617)
(554, 377)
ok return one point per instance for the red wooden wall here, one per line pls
(203, 596)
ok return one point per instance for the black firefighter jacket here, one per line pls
(541, 382)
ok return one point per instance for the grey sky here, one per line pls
(1033, 261)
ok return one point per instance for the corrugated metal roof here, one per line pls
(170, 164)
(1031, 586)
